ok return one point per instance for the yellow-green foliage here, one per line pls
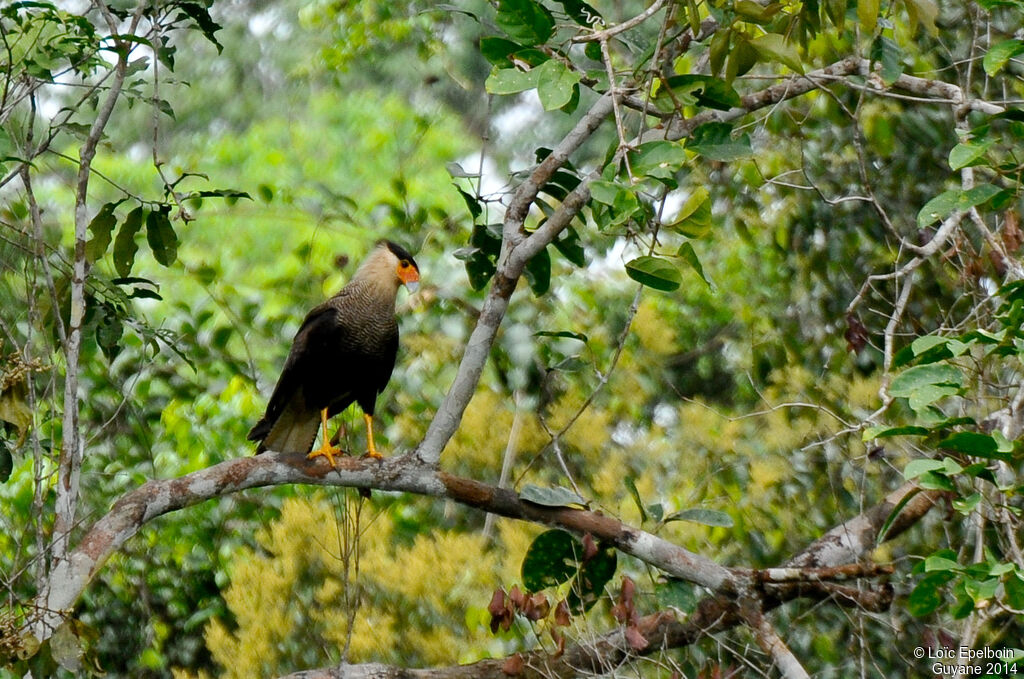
(291, 600)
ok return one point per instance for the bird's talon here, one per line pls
(328, 451)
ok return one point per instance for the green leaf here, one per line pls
(707, 517)
(570, 247)
(125, 246)
(938, 208)
(924, 12)
(7, 146)
(935, 481)
(973, 443)
(773, 47)
(706, 91)
(6, 462)
(654, 272)
(472, 204)
(968, 504)
(742, 58)
(927, 595)
(581, 12)
(694, 217)
(688, 255)
(564, 334)
(658, 159)
(693, 14)
(510, 81)
(538, 272)
(555, 84)
(1000, 53)
(885, 432)
(753, 12)
(943, 205)
(887, 53)
(938, 562)
(550, 497)
(604, 191)
(714, 141)
(981, 590)
(630, 482)
(867, 15)
(161, 237)
(1013, 591)
(916, 468)
(883, 532)
(101, 227)
(968, 153)
(550, 560)
(677, 594)
(913, 379)
(929, 394)
(201, 16)
(718, 50)
(525, 21)
(498, 51)
(1003, 444)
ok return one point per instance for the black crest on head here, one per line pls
(400, 252)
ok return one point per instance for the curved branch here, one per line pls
(849, 541)
(404, 474)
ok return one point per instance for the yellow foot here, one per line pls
(374, 454)
(327, 451)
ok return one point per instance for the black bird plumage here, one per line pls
(344, 352)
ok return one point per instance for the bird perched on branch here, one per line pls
(343, 352)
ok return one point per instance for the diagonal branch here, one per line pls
(716, 613)
(404, 474)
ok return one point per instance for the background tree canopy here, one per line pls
(716, 368)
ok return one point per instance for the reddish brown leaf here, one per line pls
(589, 547)
(497, 605)
(513, 665)
(629, 589)
(624, 610)
(998, 262)
(636, 640)
(516, 596)
(856, 334)
(501, 613)
(1012, 235)
(562, 616)
(559, 640)
(536, 607)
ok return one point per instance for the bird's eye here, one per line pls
(404, 264)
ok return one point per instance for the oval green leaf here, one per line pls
(654, 272)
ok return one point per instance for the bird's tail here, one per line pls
(293, 431)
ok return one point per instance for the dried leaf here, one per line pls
(513, 665)
(536, 607)
(517, 597)
(562, 616)
(1012, 235)
(589, 547)
(559, 640)
(856, 334)
(635, 639)
(497, 605)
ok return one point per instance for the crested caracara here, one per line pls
(343, 352)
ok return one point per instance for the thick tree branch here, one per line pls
(716, 613)
(408, 474)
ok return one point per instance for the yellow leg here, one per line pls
(369, 438)
(325, 449)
